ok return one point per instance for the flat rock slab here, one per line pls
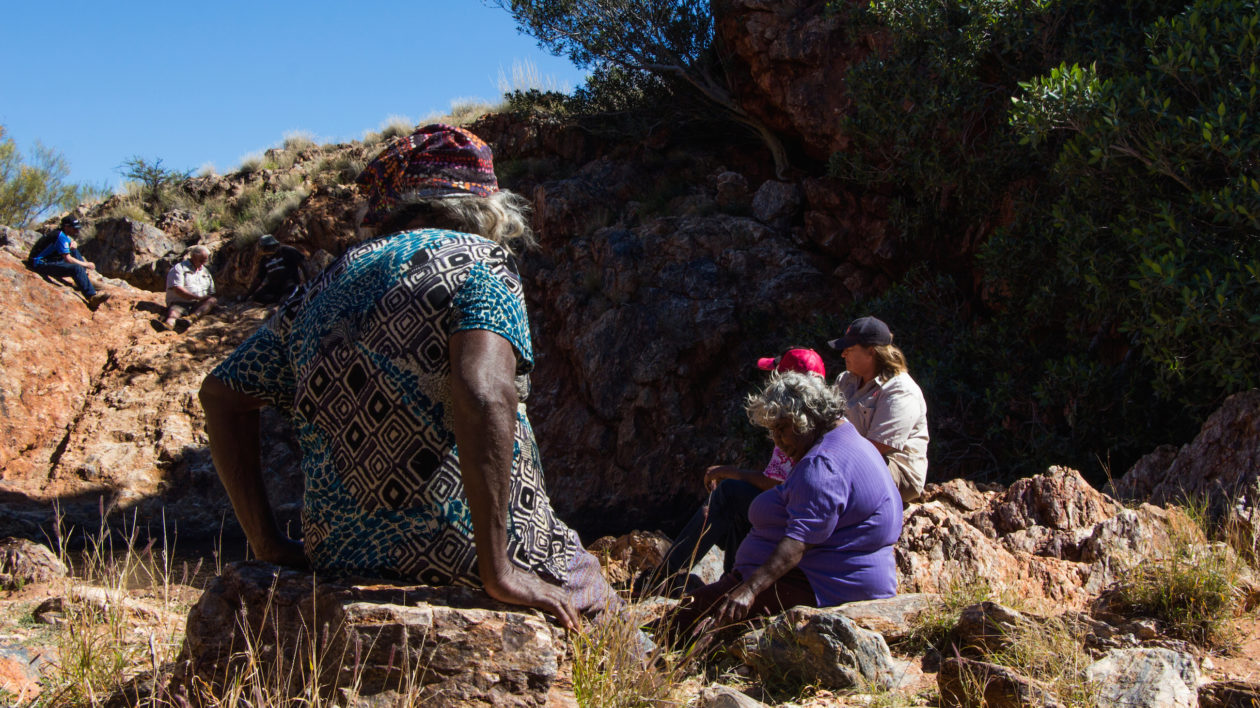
(1229, 694)
(892, 617)
(368, 643)
(970, 684)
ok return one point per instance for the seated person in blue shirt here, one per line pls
(62, 257)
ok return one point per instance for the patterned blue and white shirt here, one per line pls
(360, 361)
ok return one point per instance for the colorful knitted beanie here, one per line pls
(435, 161)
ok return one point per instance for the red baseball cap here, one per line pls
(805, 361)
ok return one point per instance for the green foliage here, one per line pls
(155, 180)
(1109, 150)
(31, 187)
(1160, 196)
(673, 40)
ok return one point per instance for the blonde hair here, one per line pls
(889, 360)
(808, 402)
(501, 217)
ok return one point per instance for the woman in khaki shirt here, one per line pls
(885, 405)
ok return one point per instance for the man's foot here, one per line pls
(181, 325)
(97, 300)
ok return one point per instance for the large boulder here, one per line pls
(1051, 539)
(368, 644)
(23, 562)
(133, 251)
(1220, 468)
(651, 333)
(18, 242)
(818, 646)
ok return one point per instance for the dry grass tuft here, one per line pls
(615, 665)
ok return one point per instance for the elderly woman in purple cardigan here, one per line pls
(825, 535)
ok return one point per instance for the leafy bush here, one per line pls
(1109, 150)
(33, 186)
(154, 179)
(672, 40)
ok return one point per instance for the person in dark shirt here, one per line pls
(61, 258)
(279, 273)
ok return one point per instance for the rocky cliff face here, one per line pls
(100, 413)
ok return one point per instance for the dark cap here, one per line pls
(867, 331)
(70, 221)
(268, 241)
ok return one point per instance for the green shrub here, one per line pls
(1107, 149)
(155, 181)
(1193, 595)
(341, 169)
(31, 187)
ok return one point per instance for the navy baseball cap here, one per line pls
(867, 331)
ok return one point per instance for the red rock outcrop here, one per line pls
(100, 412)
(788, 59)
(1219, 469)
(1052, 539)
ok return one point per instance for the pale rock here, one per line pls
(23, 562)
(1146, 678)
(817, 645)
(725, 697)
(18, 242)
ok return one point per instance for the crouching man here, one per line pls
(189, 287)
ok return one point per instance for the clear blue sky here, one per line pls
(210, 82)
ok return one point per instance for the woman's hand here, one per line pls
(717, 473)
(518, 587)
(735, 606)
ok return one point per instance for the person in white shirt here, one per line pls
(885, 404)
(189, 287)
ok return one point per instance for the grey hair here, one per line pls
(808, 402)
(502, 217)
(199, 249)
